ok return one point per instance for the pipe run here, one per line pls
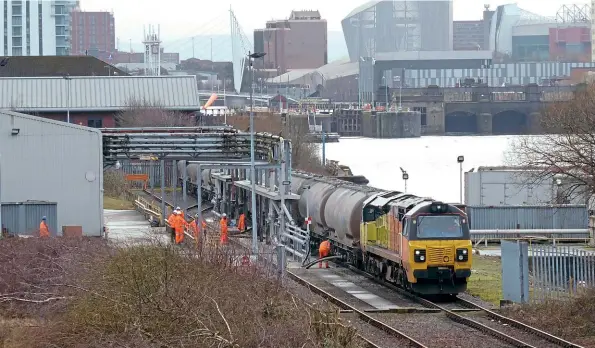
(328, 258)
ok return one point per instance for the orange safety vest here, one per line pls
(223, 225)
(242, 222)
(179, 224)
(44, 231)
(325, 247)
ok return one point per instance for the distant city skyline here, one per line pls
(178, 27)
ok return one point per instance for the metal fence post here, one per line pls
(592, 231)
(281, 261)
(163, 198)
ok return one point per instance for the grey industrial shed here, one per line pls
(46, 160)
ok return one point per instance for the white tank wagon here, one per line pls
(334, 205)
(313, 200)
(192, 180)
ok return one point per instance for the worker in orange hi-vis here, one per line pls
(194, 226)
(170, 221)
(223, 225)
(242, 222)
(323, 251)
(179, 225)
(44, 230)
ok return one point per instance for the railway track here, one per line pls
(508, 330)
(400, 339)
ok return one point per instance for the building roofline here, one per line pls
(50, 121)
(95, 77)
(106, 109)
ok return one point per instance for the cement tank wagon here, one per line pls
(192, 170)
(343, 213)
(315, 199)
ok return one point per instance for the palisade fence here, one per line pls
(559, 272)
(153, 169)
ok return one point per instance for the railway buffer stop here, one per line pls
(222, 155)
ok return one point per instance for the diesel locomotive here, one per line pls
(418, 243)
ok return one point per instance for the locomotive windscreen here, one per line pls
(439, 226)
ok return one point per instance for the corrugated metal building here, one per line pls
(509, 186)
(46, 160)
(93, 98)
(545, 217)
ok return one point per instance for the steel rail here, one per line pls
(472, 323)
(363, 316)
(519, 325)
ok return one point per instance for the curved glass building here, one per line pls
(397, 25)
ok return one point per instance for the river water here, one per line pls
(431, 161)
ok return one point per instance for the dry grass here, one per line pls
(85, 293)
(486, 278)
(117, 203)
(573, 319)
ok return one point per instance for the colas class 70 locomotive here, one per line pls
(417, 243)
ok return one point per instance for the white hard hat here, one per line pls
(223, 215)
(178, 208)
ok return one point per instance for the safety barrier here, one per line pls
(560, 272)
(555, 236)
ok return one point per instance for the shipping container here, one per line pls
(528, 217)
(23, 218)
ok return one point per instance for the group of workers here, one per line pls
(177, 225)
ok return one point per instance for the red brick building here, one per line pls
(92, 33)
(95, 101)
(570, 44)
(299, 42)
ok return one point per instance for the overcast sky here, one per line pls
(184, 18)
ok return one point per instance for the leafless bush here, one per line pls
(114, 183)
(570, 319)
(566, 151)
(157, 296)
(141, 113)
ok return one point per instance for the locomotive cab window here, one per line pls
(406, 224)
(370, 213)
(439, 227)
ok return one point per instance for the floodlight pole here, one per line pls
(252, 56)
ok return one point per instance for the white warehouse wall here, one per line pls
(57, 162)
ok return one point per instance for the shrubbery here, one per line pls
(85, 293)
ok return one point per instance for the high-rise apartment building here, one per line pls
(299, 42)
(36, 27)
(93, 33)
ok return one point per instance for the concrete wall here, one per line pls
(56, 162)
(406, 124)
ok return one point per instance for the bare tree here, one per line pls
(565, 153)
(142, 113)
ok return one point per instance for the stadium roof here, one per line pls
(332, 70)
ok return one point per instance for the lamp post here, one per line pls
(405, 177)
(461, 159)
(386, 93)
(252, 56)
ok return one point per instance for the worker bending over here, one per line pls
(179, 225)
(223, 225)
(44, 230)
(323, 251)
(242, 222)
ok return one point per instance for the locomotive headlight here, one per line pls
(462, 255)
(419, 255)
